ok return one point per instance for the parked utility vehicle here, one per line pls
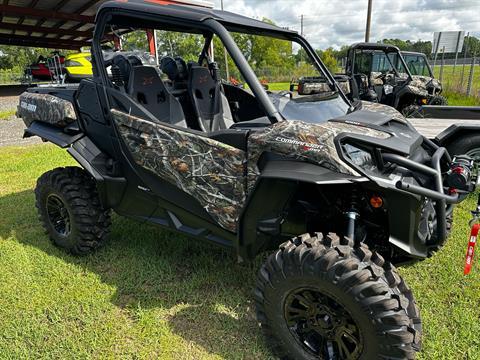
(378, 72)
(340, 190)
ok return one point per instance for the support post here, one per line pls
(369, 18)
(464, 58)
(470, 77)
(152, 47)
(225, 55)
(436, 51)
(442, 65)
(456, 51)
(117, 43)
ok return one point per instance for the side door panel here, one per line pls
(210, 171)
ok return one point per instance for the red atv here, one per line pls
(41, 70)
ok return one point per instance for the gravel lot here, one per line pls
(11, 129)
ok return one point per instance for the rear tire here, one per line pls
(70, 211)
(347, 302)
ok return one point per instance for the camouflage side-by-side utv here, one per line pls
(379, 73)
(337, 191)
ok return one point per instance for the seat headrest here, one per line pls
(144, 77)
(201, 77)
(174, 68)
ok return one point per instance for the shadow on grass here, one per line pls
(206, 296)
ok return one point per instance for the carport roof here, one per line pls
(58, 24)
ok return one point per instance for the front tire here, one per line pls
(439, 100)
(321, 297)
(412, 111)
(70, 211)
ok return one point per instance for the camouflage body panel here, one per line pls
(414, 89)
(345, 86)
(304, 141)
(376, 78)
(384, 109)
(210, 171)
(45, 108)
(308, 87)
(426, 83)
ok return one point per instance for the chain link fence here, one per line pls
(462, 78)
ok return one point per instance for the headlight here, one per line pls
(359, 157)
(72, 63)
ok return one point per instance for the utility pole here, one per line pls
(301, 34)
(227, 72)
(369, 18)
(301, 25)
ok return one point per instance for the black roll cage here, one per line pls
(422, 55)
(212, 26)
(377, 47)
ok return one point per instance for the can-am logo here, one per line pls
(28, 107)
(305, 146)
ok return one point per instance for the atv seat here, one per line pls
(147, 88)
(210, 104)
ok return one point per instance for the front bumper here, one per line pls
(407, 201)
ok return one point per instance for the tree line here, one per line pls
(270, 58)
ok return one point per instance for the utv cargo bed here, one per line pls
(46, 107)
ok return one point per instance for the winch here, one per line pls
(460, 174)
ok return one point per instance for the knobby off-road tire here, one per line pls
(70, 211)
(315, 289)
(465, 144)
(411, 111)
(439, 100)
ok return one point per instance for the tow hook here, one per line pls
(474, 229)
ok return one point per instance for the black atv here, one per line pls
(338, 191)
(379, 73)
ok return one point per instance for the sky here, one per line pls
(336, 23)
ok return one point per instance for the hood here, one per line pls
(317, 142)
(317, 108)
(404, 138)
(425, 82)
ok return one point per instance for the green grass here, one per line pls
(153, 294)
(455, 90)
(459, 99)
(279, 86)
(452, 80)
(7, 114)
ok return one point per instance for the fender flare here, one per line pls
(264, 212)
(93, 161)
(52, 133)
(448, 135)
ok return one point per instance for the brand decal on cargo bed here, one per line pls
(28, 107)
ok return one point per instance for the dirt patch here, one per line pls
(8, 103)
(11, 133)
(11, 128)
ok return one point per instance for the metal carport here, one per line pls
(57, 24)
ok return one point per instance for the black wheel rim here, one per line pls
(474, 153)
(322, 326)
(58, 215)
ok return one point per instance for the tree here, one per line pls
(329, 60)
(17, 58)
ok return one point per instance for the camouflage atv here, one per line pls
(379, 73)
(336, 191)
